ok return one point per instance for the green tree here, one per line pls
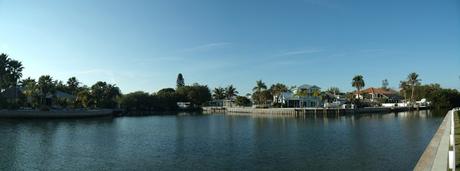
(218, 93)
(317, 93)
(260, 86)
(46, 87)
(412, 81)
(15, 73)
(230, 92)
(73, 85)
(105, 95)
(10, 73)
(403, 88)
(196, 94)
(261, 97)
(84, 98)
(138, 101)
(301, 92)
(358, 83)
(5, 81)
(333, 90)
(242, 101)
(167, 99)
(278, 88)
(180, 80)
(31, 91)
(60, 86)
(385, 84)
(166, 92)
(438, 96)
(261, 94)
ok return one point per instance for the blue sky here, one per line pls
(143, 45)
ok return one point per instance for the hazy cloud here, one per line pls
(300, 52)
(208, 46)
(159, 59)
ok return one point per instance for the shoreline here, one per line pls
(307, 111)
(56, 114)
(79, 113)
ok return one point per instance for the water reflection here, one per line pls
(219, 142)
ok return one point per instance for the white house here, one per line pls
(303, 96)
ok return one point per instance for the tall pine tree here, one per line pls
(180, 81)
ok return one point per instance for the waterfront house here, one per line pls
(223, 102)
(304, 96)
(58, 99)
(184, 105)
(11, 94)
(379, 95)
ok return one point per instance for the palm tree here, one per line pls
(278, 88)
(45, 86)
(4, 75)
(218, 93)
(385, 84)
(259, 94)
(15, 71)
(230, 91)
(301, 92)
(105, 95)
(403, 86)
(73, 85)
(114, 94)
(30, 89)
(358, 83)
(260, 85)
(412, 80)
(84, 97)
(10, 73)
(317, 93)
(333, 90)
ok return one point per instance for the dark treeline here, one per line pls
(46, 93)
(412, 90)
(167, 99)
(440, 97)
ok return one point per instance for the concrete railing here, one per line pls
(440, 152)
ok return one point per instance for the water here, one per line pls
(219, 142)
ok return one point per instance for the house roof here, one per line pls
(61, 94)
(373, 90)
(307, 86)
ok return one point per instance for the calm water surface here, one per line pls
(219, 142)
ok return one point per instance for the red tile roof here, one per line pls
(373, 90)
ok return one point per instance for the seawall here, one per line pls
(55, 114)
(438, 153)
(304, 111)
